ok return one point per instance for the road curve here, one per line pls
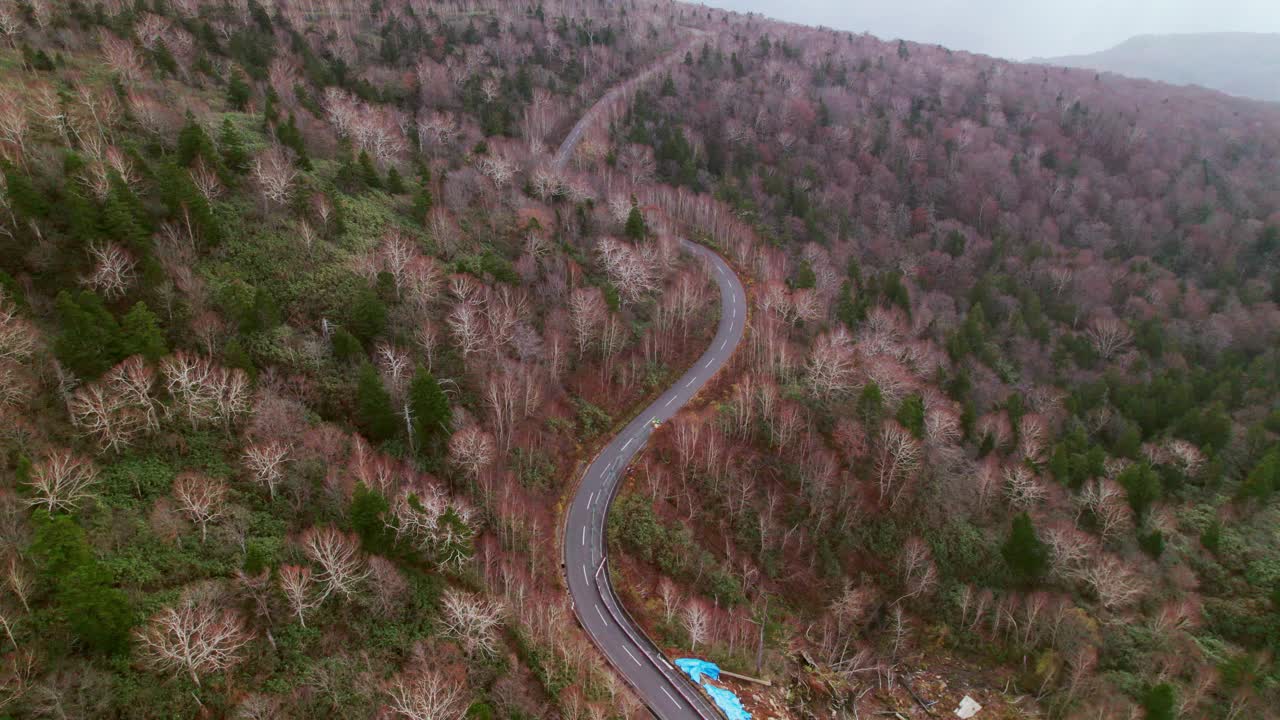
(660, 686)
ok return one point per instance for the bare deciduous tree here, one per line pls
(897, 457)
(1109, 336)
(193, 638)
(829, 371)
(472, 621)
(61, 481)
(113, 270)
(423, 694)
(298, 586)
(471, 449)
(275, 174)
(265, 462)
(201, 498)
(342, 565)
(1115, 584)
(695, 622)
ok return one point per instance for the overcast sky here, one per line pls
(1020, 29)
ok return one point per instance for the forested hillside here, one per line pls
(301, 333)
(1011, 386)
(304, 334)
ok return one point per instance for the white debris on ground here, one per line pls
(968, 708)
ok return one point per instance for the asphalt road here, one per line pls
(664, 689)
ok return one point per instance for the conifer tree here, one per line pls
(431, 412)
(89, 343)
(1026, 555)
(374, 414)
(140, 334)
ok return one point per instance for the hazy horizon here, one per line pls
(1022, 29)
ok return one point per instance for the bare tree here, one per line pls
(61, 481)
(205, 392)
(1105, 499)
(1109, 336)
(587, 312)
(897, 458)
(695, 622)
(275, 174)
(342, 565)
(113, 270)
(423, 694)
(388, 584)
(265, 462)
(193, 638)
(202, 499)
(298, 586)
(829, 371)
(466, 322)
(471, 449)
(916, 569)
(1023, 489)
(17, 336)
(630, 271)
(472, 621)
(1115, 584)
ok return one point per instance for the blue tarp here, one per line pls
(724, 699)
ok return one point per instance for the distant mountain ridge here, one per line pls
(1237, 63)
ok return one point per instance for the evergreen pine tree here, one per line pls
(395, 183)
(346, 347)
(368, 518)
(374, 414)
(431, 412)
(911, 415)
(369, 173)
(26, 201)
(871, 405)
(635, 227)
(238, 92)
(140, 334)
(1159, 702)
(1026, 556)
(368, 315)
(194, 143)
(89, 343)
(231, 145)
(422, 203)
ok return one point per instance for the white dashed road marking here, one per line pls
(606, 622)
(669, 697)
(689, 383)
(628, 443)
(584, 535)
(633, 657)
(673, 399)
(709, 362)
(585, 579)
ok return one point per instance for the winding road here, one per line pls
(663, 688)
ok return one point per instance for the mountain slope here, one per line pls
(1244, 64)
